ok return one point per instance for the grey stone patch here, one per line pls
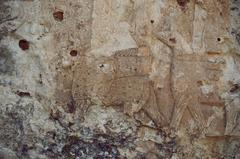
(7, 153)
(6, 18)
(100, 137)
(89, 144)
(100, 146)
(235, 17)
(231, 149)
(3, 32)
(7, 62)
(13, 121)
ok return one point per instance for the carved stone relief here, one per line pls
(120, 79)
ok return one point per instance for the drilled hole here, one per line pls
(219, 39)
(73, 53)
(182, 3)
(24, 44)
(58, 16)
(173, 40)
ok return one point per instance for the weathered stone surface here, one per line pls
(120, 79)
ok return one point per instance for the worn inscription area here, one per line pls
(116, 79)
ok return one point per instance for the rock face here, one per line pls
(115, 79)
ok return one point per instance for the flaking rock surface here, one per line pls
(120, 79)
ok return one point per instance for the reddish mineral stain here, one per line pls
(23, 44)
(58, 15)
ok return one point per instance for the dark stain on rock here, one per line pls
(40, 79)
(237, 35)
(97, 148)
(71, 105)
(51, 151)
(23, 44)
(199, 83)
(24, 149)
(234, 88)
(182, 3)
(70, 124)
(58, 15)
(55, 115)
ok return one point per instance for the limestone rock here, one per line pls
(114, 79)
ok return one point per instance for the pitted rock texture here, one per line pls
(116, 79)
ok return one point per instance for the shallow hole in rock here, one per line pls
(101, 66)
(74, 53)
(70, 124)
(23, 44)
(219, 39)
(58, 15)
(152, 21)
(182, 3)
(173, 40)
(200, 83)
(23, 94)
